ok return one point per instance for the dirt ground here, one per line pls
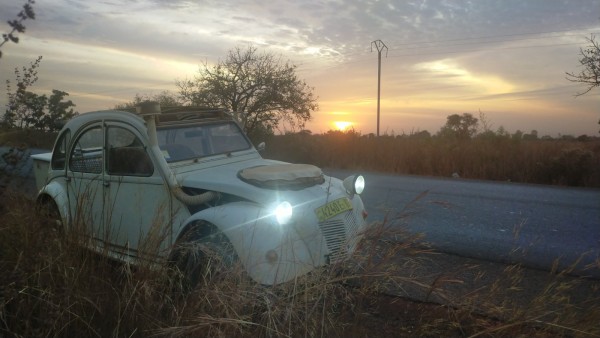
(451, 296)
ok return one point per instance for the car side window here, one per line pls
(59, 154)
(127, 155)
(86, 156)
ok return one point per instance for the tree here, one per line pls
(26, 109)
(531, 136)
(459, 126)
(43, 113)
(590, 60)
(57, 111)
(518, 135)
(17, 25)
(164, 98)
(261, 90)
(25, 78)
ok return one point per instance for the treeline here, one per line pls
(488, 155)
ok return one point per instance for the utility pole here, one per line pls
(380, 46)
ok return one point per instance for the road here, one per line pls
(535, 225)
(495, 221)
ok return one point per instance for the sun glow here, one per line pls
(342, 125)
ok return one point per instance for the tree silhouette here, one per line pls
(590, 61)
(26, 109)
(459, 126)
(261, 89)
(164, 98)
(17, 25)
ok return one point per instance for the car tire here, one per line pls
(50, 216)
(201, 254)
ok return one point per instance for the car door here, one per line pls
(85, 182)
(138, 209)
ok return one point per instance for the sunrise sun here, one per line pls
(342, 125)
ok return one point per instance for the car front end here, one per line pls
(283, 220)
(283, 230)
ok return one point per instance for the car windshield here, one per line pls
(179, 143)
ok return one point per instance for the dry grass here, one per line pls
(52, 287)
(561, 162)
(393, 286)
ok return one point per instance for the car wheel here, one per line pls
(50, 216)
(201, 254)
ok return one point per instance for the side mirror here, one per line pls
(261, 147)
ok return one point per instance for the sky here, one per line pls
(505, 59)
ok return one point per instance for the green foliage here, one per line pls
(263, 91)
(17, 25)
(590, 61)
(26, 109)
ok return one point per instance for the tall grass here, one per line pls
(50, 286)
(560, 162)
(393, 286)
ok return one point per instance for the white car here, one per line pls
(193, 173)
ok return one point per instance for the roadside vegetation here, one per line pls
(50, 286)
(488, 155)
(392, 287)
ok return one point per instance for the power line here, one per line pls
(496, 36)
(429, 53)
(460, 44)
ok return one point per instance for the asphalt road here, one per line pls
(535, 225)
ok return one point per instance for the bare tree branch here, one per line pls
(17, 25)
(590, 61)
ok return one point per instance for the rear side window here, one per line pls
(59, 153)
(127, 155)
(86, 156)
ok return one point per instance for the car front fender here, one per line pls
(57, 193)
(271, 253)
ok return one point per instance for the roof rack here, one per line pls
(171, 115)
(176, 115)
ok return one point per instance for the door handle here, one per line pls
(106, 184)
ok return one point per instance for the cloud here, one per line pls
(442, 55)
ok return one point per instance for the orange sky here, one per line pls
(505, 58)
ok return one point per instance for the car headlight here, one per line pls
(283, 212)
(354, 184)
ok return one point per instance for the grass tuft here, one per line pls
(393, 286)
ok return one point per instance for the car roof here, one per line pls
(106, 115)
(168, 116)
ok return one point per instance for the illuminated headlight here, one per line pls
(354, 184)
(283, 212)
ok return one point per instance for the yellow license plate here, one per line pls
(333, 208)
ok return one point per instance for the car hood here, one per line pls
(252, 180)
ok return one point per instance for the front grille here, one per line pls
(338, 233)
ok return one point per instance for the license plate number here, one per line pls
(333, 208)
